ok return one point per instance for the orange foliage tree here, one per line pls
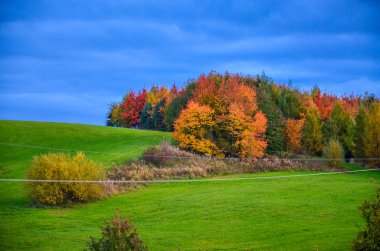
(239, 127)
(193, 129)
(293, 134)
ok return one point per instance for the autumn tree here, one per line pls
(239, 128)
(131, 108)
(351, 104)
(113, 115)
(324, 102)
(372, 132)
(293, 134)
(156, 94)
(312, 136)
(194, 129)
(333, 152)
(361, 136)
(232, 100)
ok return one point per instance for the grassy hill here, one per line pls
(289, 214)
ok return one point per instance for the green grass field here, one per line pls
(299, 213)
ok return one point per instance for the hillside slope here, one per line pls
(115, 144)
(299, 213)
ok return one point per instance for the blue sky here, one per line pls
(66, 60)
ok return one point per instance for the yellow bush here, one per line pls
(58, 166)
(333, 152)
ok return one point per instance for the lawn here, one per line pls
(304, 213)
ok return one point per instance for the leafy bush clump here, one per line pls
(369, 237)
(117, 234)
(58, 166)
(334, 152)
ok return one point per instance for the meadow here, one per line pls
(299, 213)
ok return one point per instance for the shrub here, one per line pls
(165, 155)
(369, 237)
(117, 234)
(58, 166)
(334, 152)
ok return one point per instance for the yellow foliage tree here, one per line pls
(156, 94)
(246, 132)
(193, 129)
(372, 132)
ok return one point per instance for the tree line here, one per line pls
(230, 115)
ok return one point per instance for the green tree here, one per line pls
(290, 103)
(159, 115)
(177, 105)
(145, 117)
(312, 135)
(276, 121)
(340, 126)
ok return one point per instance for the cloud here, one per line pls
(53, 51)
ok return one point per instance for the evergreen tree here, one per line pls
(290, 103)
(177, 105)
(312, 135)
(145, 117)
(159, 115)
(276, 121)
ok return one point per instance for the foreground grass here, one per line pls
(316, 212)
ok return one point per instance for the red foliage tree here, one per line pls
(324, 102)
(351, 104)
(132, 106)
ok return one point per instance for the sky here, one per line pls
(65, 61)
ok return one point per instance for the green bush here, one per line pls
(117, 234)
(334, 152)
(58, 166)
(369, 237)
